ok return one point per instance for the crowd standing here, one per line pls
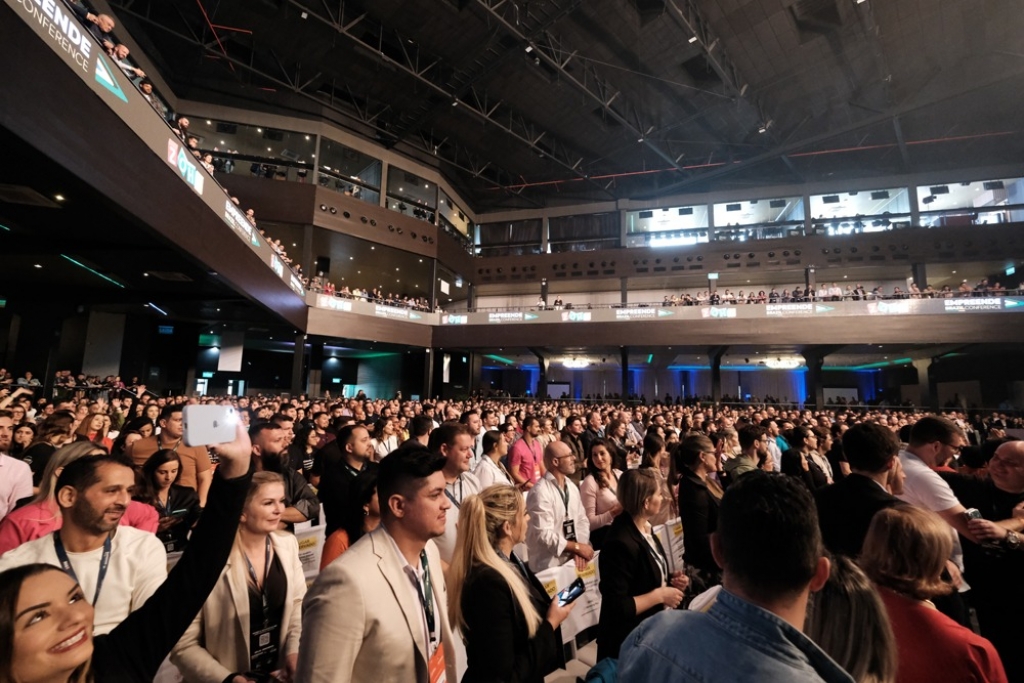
(865, 544)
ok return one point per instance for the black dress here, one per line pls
(497, 645)
(133, 651)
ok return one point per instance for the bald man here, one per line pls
(994, 569)
(558, 529)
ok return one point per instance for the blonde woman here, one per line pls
(249, 628)
(495, 600)
(847, 620)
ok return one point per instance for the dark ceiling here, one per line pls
(564, 101)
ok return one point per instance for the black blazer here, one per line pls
(627, 569)
(814, 477)
(497, 645)
(698, 511)
(845, 510)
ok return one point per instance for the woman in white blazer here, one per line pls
(250, 626)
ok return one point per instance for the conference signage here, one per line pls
(636, 313)
(61, 30)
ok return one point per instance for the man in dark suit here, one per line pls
(845, 508)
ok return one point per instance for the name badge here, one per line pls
(436, 671)
(569, 530)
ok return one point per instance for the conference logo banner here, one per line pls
(276, 265)
(969, 305)
(505, 317)
(238, 222)
(180, 159)
(451, 319)
(789, 310)
(636, 313)
(296, 284)
(61, 27)
(390, 312)
(333, 303)
(577, 316)
(898, 307)
(718, 312)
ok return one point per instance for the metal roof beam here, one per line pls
(552, 51)
(409, 65)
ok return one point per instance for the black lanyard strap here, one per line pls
(427, 596)
(451, 494)
(65, 563)
(261, 588)
(565, 496)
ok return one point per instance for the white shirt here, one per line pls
(925, 488)
(415, 574)
(545, 541)
(15, 483)
(488, 474)
(138, 565)
(464, 486)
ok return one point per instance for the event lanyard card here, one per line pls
(569, 530)
(435, 667)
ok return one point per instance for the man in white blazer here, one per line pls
(380, 611)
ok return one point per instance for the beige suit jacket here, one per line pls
(217, 642)
(361, 621)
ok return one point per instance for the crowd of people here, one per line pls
(847, 543)
(375, 295)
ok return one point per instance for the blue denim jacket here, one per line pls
(733, 641)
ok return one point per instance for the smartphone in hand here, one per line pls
(571, 592)
(205, 425)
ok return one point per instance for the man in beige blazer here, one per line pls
(379, 612)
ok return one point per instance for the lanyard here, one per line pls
(659, 556)
(65, 563)
(262, 588)
(257, 585)
(351, 470)
(451, 494)
(565, 497)
(426, 592)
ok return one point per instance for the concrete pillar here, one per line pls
(470, 296)
(545, 234)
(926, 383)
(299, 365)
(314, 383)
(624, 290)
(715, 354)
(815, 389)
(544, 290)
(919, 271)
(810, 286)
(428, 375)
(624, 353)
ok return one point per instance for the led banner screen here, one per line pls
(654, 314)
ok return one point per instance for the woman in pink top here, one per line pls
(904, 553)
(42, 515)
(598, 491)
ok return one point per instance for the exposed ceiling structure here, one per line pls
(529, 102)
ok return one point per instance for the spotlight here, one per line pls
(364, 219)
(335, 211)
(346, 214)
(373, 222)
(763, 128)
(323, 207)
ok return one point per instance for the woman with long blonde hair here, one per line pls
(495, 600)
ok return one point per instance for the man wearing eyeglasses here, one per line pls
(934, 441)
